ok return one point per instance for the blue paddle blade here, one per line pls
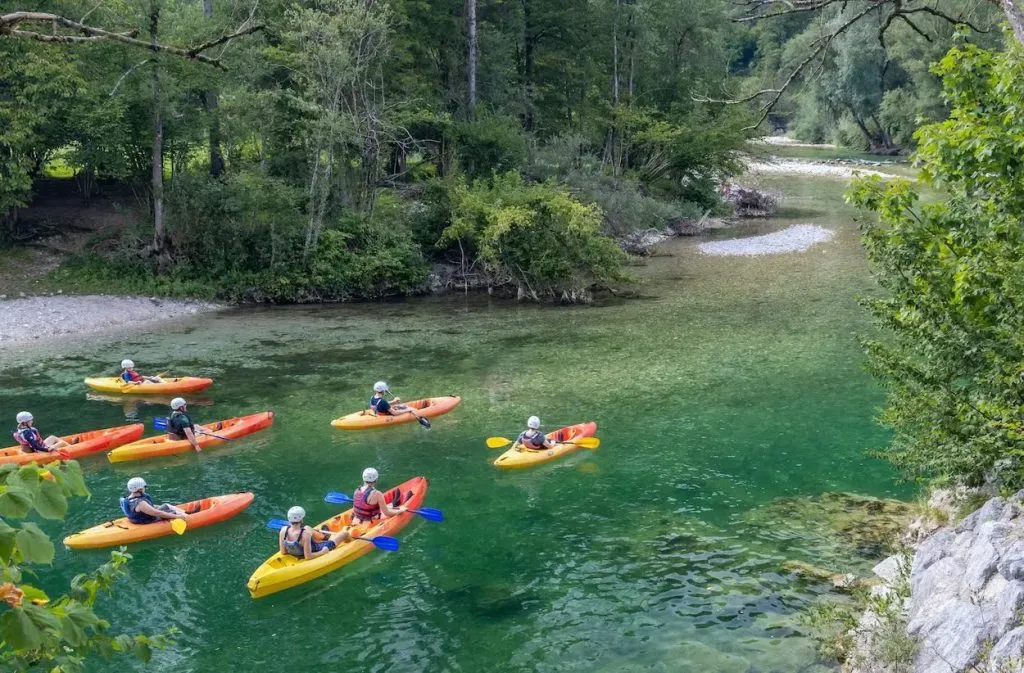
(383, 542)
(277, 524)
(424, 422)
(429, 513)
(159, 423)
(336, 497)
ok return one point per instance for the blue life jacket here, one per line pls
(128, 506)
(380, 405)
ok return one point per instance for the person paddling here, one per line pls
(532, 438)
(298, 539)
(369, 504)
(180, 425)
(130, 376)
(31, 440)
(381, 407)
(139, 507)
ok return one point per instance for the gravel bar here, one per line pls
(798, 238)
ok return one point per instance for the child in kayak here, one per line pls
(180, 425)
(381, 407)
(139, 507)
(298, 539)
(129, 375)
(369, 504)
(532, 438)
(31, 440)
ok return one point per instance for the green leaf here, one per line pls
(69, 475)
(50, 501)
(19, 631)
(6, 542)
(15, 503)
(33, 593)
(33, 544)
(143, 652)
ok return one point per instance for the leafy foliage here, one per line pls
(953, 359)
(39, 632)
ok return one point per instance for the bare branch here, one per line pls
(10, 26)
(945, 17)
(903, 17)
(125, 75)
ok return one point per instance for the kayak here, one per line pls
(284, 571)
(518, 457)
(121, 531)
(155, 447)
(82, 444)
(428, 408)
(180, 384)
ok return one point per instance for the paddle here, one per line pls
(161, 424)
(425, 422)
(178, 526)
(584, 442)
(428, 513)
(380, 542)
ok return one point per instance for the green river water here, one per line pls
(731, 382)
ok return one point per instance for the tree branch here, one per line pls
(10, 25)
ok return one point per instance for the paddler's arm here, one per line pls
(191, 437)
(146, 508)
(280, 542)
(386, 509)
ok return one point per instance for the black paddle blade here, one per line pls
(425, 422)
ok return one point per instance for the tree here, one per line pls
(953, 353)
(39, 632)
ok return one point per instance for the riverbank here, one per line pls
(31, 320)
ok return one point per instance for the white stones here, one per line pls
(797, 238)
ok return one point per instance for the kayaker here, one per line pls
(298, 539)
(180, 425)
(129, 375)
(369, 504)
(382, 407)
(139, 507)
(532, 438)
(31, 440)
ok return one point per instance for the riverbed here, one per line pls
(728, 383)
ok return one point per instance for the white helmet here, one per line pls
(127, 364)
(533, 422)
(370, 475)
(380, 387)
(24, 417)
(136, 484)
(296, 514)
(177, 403)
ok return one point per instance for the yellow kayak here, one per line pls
(518, 456)
(284, 571)
(180, 384)
(367, 418)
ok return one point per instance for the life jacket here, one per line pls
(294, 547)
(177, 428)
(129, 376)
(129, 505)
(30, 440)
(361, 509)
(532, 439)
(375, 405)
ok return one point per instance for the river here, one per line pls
(729, 383)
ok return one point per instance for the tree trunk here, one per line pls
(1014, 10)
(529, 58)
(157, 181)
(471, 59)
(210, 98)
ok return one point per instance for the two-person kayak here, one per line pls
(198, 514)
(425, 408)
(79, 445)
(284, 571)
(228, 429)
(520, 456)
(180, 384)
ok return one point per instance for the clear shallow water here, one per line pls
(731, 382)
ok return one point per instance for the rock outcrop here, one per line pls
(965, 607)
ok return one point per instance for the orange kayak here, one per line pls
(519, 456)
(155, 447)
(82, 444)
(367, 418)
(121, 531)
(283, 571)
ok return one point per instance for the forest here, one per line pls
(280, 151)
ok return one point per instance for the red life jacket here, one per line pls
(361, 509)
